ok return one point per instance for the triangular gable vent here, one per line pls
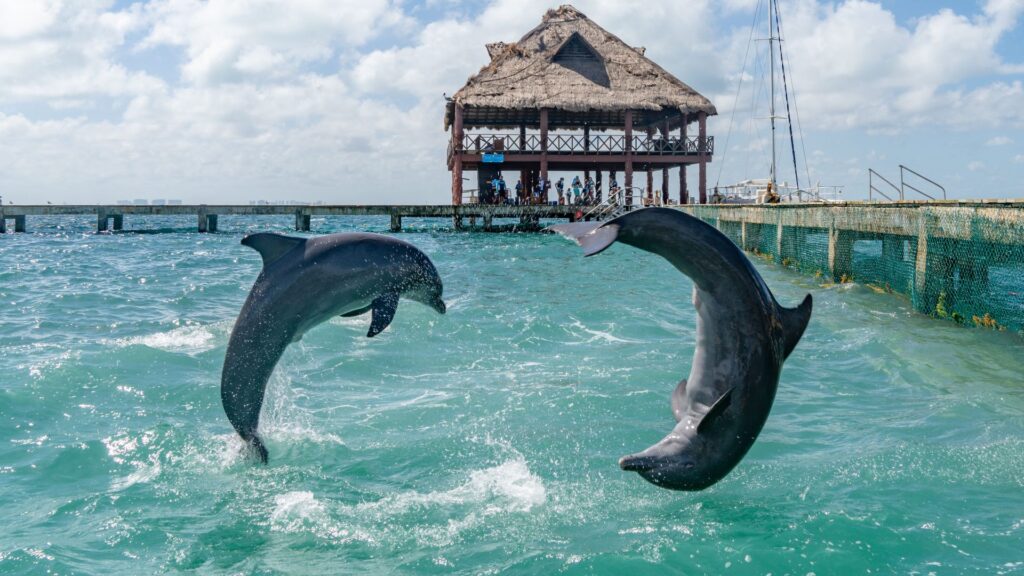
(575, 48)
(577, 55)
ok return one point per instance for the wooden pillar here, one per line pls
(684, 194)
(457, 135)
(396, 223)
(649, 192)
(628, 184)
(522, 138)
(101, 221)
(3, 224)
(301, 221)
(201, 224)
(543, 147)
(702, 177)
(118, 221)
(211, 222)
(743, 235)
(597, 186)
(488, 222)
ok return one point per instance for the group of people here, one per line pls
(578, 193)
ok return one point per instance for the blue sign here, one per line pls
(494, 158)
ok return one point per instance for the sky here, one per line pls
(342, 101)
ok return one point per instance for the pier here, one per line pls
(112, 217)
(955, 259)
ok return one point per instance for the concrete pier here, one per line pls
(938, 253)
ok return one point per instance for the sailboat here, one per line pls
(770, 189)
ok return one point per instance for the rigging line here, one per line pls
(785, 90)
(732, 116)
(796, 109)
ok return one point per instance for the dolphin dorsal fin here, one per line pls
(271, 246)
(723, 402)
(679, 400)
(794, 322)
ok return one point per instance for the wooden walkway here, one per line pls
(111, 216)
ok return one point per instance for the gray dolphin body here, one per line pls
(303, 283)
(743, 337)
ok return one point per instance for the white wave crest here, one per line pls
(507, 487)
(191, 339)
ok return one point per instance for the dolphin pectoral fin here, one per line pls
(593, 237)
(271, 246)
(794, 322)
(679, 400)
(716, 410)
(383, 313)
(358, 312)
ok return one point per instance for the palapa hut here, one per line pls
(569, 74)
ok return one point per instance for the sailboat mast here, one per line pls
(771, 104)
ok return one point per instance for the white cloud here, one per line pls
(231, 40)
(998, 141)
(66, 50)
(1018, 159)
(856, 66)
(976, 166)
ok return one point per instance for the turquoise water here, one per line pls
(484, 441)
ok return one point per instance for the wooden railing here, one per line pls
(643, 145)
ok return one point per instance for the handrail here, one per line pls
(872, 188)
(601, 144)
(923, 177)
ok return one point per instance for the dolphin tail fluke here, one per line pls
(593, 237)
(794, 322)
(257, 449)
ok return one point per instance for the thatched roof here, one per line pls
(577, 70)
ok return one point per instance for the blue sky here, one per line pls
(341, 101)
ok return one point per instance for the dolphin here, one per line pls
(303, 283)
(743, 337)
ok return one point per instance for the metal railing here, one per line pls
(904, 184)
(901, 190)
(872, 189)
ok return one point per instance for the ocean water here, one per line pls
(484, 441)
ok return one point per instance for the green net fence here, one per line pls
(958, 261)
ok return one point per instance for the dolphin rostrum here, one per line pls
(303, 283)
(743, 337)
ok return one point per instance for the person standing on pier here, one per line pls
(519, 192)
(560, 186)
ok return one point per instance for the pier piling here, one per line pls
(302, 221)
(396, 223)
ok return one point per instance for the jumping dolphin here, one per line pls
(743, 337)
(303, 283)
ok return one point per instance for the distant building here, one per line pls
(158, 202)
